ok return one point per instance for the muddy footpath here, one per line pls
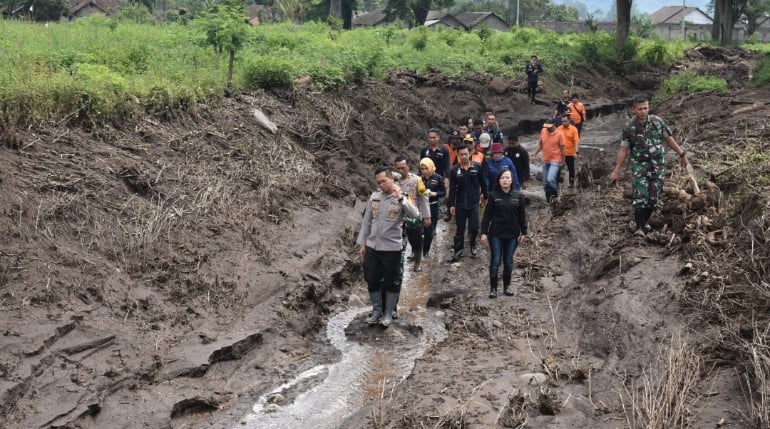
(198, 270)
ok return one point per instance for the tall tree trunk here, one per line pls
(347, 14)
(724, 21)
(623, 22)
(230, 69)
(421, 9)
(715, 27)
(335, 8)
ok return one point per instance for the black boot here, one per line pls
(376, 298)
(507, 285)
(395, 307)
(640, 221)
(456, 256)
(493, 287)
(390, 305)
(474, 249)
(646, 214)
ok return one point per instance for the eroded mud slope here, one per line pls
(155, 270)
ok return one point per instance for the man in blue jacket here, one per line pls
(497, 163)
(467, 191)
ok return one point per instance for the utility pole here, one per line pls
(684, 29)
(517, 13)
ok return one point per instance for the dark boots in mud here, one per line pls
(507, 285)
(376, 298)
(390, 305)
(493, 286)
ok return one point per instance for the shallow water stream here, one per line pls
(331, 393)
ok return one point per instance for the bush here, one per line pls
(135, 12)
(762, 72)
(691, 83)
(655, 54)
(420, 39)
(597, 48)
(268, 73)
(328, 77)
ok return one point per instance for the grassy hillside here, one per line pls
(97, 69)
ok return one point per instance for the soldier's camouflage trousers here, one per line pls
(647, 184)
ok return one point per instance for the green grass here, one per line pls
(761, 76)
(96, 69)
(759, 47)
(691, 83)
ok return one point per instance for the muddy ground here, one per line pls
(168, 272)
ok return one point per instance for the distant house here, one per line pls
(471, 20)
(83, 8)
(370, 19)
(763, 30)
(668, 23)
(438, 19)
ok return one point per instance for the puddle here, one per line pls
(331, 393)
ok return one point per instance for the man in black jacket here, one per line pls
(520, 158)
(467, 190)
(533, 70)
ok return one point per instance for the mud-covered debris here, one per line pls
(137, 182)
(236, 350)
(533, 379)
(276, 398)
(686, 269)
(548, 403)
(264, 121)
(272, 408)
(195, 405)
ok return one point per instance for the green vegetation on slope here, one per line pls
(762, 72)
(691, 83)
(96, 69)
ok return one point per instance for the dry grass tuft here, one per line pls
(665, 395)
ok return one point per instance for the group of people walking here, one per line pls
(481, 182)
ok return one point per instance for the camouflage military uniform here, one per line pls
(647, 159)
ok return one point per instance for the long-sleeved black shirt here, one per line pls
(505, 216)
(440, 157)
(466, 186)
(520, 158)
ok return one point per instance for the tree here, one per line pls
(623, 8)
(643, 26)
(726, 14)
(226, 30)
(754, 11)
(413, 12)
(49, 10)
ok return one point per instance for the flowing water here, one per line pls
(331, 393)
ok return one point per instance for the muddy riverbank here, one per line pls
(157, 274)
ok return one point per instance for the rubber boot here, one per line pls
(376, 298)
(474, 249)
(646, 214)
(507, 285)
(395, 308)
(493, 287)
(417, 260)
(390, 304)
(639, 218)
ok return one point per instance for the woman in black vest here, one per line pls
(504, 226)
